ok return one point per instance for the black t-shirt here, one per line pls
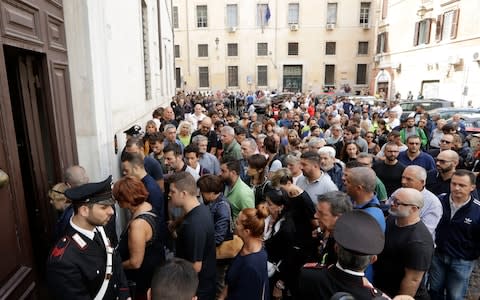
(436, 184)
(211, 136)
(405, 247)
(196, 242)
(391, 176)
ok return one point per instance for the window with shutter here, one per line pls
(329, 75)
(362, 48)
(438, 29)
(203, 80)
(262, 76)
(232, 76)
(454, 24)
(232, 49)
(422, 32)
(416, 33)
(330, 48)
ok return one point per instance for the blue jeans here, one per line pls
(450, 275)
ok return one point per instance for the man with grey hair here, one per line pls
(231, 148)
(248, 148)
(329, 164)
(415, 177)
(329, 208)
(408, 250)
(315, 143)
(293, 164)
(73, 176)
(170, 132)
(360, 183)
(207, 160)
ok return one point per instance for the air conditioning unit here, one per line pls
(376, 58)
(232, 29)
(365, 26)
(330, 26)
(293, 27)
(454, 60)
(476, 57)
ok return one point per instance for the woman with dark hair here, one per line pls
(349, 151)
(271, 147)
(283, 248)
(269, 126)
(257, 171)
(382, 133)
(247, 277)
(300, 208)
(373, 147)
(141, 243)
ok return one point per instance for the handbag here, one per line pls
(230, 248)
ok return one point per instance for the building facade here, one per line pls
(73, 75)
(283, 45)
(430, 47)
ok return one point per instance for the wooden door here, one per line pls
(16, 266)
(37, 138)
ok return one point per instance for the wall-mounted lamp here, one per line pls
(217, 40)
(421, 12)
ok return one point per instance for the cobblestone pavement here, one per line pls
(474, 288)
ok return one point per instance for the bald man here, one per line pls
(205, 129)
(438, 180)
(360, 185)
(408, 250)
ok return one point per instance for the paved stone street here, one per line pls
(474, 289)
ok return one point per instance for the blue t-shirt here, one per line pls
(153, 167)
(247, 277)
(378, 215)
(423, 160)
(157, 199)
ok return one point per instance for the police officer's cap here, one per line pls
(359, 232)
(134, 130)
(92, 193)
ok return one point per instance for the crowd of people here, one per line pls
(318, 195)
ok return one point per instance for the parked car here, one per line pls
(429, 105)
(262, 104)
(472, 124)
(447, 112)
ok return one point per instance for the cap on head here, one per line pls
(134, 130)
(359, 232)
(95, 193)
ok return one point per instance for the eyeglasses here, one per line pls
(445, 141)
(394, 202)
(442, 161)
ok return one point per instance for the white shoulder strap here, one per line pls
(108, 271)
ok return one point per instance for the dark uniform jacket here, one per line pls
(324, 283)
(76, 269)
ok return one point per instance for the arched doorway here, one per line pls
(382, 84)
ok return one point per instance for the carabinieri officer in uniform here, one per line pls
(83, 265)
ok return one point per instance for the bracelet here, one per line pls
(279, 285)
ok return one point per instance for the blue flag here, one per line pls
(267, 14)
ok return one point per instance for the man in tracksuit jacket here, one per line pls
(457, 239)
